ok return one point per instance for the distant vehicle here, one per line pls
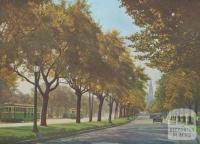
(157, 118)
(10, 112)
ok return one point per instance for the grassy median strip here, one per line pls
(14, 134)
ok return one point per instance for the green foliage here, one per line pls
(169, 37)
(36, 40)
(177, 89)
(169, 41)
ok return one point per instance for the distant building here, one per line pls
(150, 95)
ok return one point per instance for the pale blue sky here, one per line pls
(110, 16)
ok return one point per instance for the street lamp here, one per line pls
(36, 70)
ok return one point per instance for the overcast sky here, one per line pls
(110, 16)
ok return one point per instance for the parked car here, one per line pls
(157, 118)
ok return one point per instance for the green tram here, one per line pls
(17, 112)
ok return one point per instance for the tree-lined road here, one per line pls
(141, 131)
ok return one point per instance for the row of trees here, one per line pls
(70, 48)
(176, 90)
(61, 101)
(169, 40)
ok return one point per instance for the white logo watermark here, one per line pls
(182, 124)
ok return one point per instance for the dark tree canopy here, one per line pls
(170, 33)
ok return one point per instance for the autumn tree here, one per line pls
(178, 89)
(125, 75)
(38, 40)
(134, 99)
(113, 55)
(169, 38)
(81, 56)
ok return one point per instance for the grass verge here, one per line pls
(14, 134)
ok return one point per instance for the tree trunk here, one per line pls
(90, 107)
(101, 100)
(124, 112)
(179, 118)
(116, 110)
(120, 112)
(128, 111)
(78, 106)
(44, 110)
(110, 110)
(196, 107)
(184, 119)
(190, 117)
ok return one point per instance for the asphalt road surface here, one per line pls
(141, 131)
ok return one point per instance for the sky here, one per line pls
(110, 16)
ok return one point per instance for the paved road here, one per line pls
(141, 131)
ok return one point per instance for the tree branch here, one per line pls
(23, 76)
(84, 90)
(44, 77)
(54, 79)
(49, 69)
(39, 87)
(57, 83)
